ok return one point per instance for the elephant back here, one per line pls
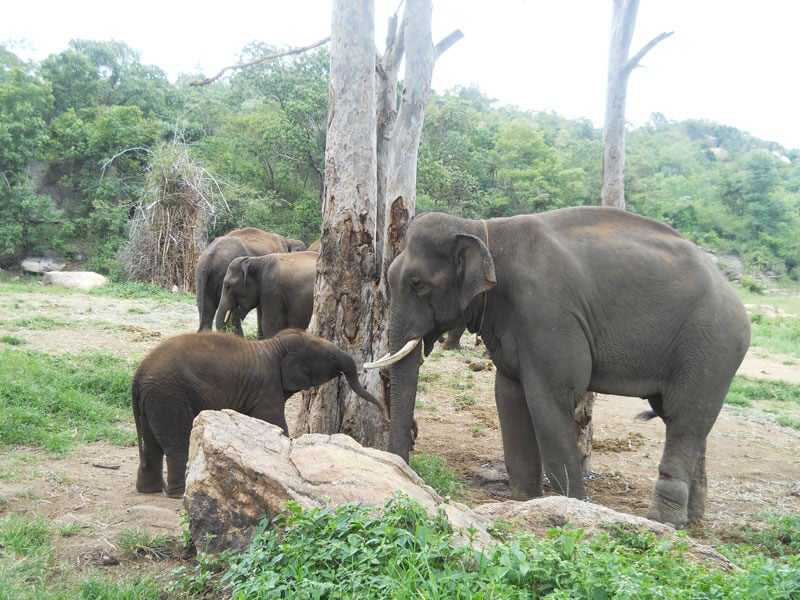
(259, 242)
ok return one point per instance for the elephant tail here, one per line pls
(646, 415)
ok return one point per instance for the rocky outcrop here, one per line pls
(81, 280)
(241, 469)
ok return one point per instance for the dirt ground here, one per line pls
(753, 463)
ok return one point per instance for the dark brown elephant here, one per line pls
(279, 286)
(570, 301)
(210, 371)
(213, 263)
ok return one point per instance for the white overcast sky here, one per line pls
(730, 61)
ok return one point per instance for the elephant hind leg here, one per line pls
(149, 476)
(697, 490)
(176, 474)
(681, 487)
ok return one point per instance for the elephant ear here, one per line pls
(474, 268)
(293, 376)
(245, 266)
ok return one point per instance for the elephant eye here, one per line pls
(418, 286)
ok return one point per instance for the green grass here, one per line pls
(435, 471)
(746, 390)
(57, 401)
(139, 543)
(145, 291)
(11, 340)
(777, 334)
(400, 551)
(772, 535)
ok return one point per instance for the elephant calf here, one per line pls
(193, 372)
(279, 286)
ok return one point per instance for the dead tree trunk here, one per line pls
(370, 183)
(623, 22)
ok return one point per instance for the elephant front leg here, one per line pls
(520, 449)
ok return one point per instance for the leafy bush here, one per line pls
(400, 551)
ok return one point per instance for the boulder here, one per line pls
(42, 264)
(82, 280)
(241, 470)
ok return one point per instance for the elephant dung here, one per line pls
(242, 469)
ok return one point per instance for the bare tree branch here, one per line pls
(260, 60)
(636, 58)
(445, 44)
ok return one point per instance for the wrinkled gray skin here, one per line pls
(213, 263)
(279, 286)
(210, 371)
(567, 301)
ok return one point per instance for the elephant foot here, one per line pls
(669, 503)
(175, 491)
(149, 487)
(149, 483)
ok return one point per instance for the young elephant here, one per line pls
(214, 260)
(279, 286)
(200, 371)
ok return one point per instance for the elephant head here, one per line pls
(435, 284)
(309, 361)
(293, 245)
(240, 293)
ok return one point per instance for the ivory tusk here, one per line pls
(227, 316)
(390, 359)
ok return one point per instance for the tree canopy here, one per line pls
(79, 131)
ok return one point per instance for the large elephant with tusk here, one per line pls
(569, 301)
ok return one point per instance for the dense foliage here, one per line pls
(80, 131)
(400, 551)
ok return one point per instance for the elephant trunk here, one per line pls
(347, 367)
(227, 308)
(403, 388)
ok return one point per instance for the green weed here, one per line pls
(11, 340)
(399, 550)
(436, 473)
(139, 543)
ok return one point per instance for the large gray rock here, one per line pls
(42, 264)
(242, 469)
(81, 280)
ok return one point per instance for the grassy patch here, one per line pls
(745, 390)
(778, 334)
(134, 290)
(138, 543)
(11, 340)
(57, 401)
(401, 551)
(435, 471)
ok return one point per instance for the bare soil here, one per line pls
(753, 463)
